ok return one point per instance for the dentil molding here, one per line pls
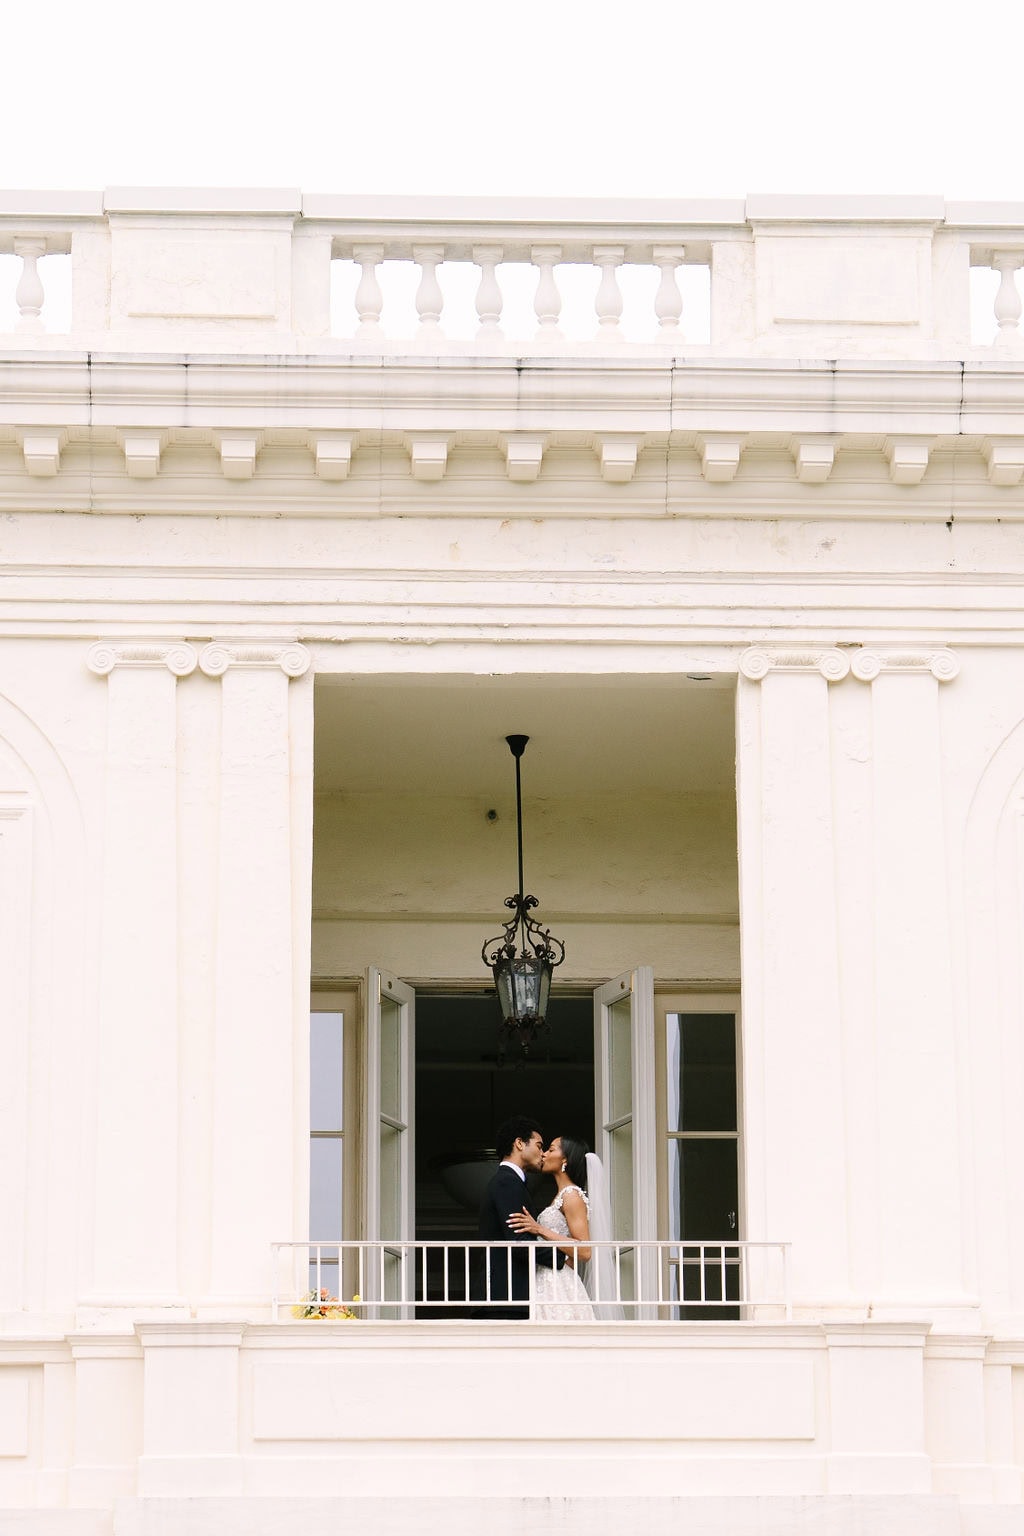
(176, 655)
(292, 659)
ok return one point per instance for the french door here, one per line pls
(624, 1120)
(388, 1136)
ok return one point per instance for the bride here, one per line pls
(559, 1294)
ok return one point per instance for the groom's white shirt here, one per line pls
(505, 1163)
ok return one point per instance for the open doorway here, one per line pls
(463, 1094)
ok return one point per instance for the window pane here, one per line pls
(325, 1157)
(620, 1065)
(701, 1057)
(703, 1189)
(390, 1182)
(326, 1035)
(620, 1174)
(390, 1061)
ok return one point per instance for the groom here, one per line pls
(520, 1147)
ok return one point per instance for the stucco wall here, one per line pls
(417, 884)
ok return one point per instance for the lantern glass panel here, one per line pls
(503, 982)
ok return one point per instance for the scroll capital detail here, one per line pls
(943, 664)
(176, 655)
(832, 664)
(292, 659)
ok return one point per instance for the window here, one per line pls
(326, 1139)
(701, 1128)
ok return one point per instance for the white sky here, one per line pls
(549, 97)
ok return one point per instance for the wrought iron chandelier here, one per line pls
(523, 957)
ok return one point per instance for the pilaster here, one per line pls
(263, 896)
(919, 1195)
(792, 1067)
(134, 1257)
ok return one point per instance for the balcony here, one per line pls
(651, 1281)
(277, 353)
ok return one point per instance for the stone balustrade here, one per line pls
(237, 272)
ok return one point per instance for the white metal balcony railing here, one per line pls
(650, 1280)
(420, 273)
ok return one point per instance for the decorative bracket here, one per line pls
(428, 455)
(332, 452)
(1005, 459)
(42, 447)
(238, 451)
(814, 458)
(908, 459)
(142, 450)
(719, 457)
(618, 456)
(524, 453)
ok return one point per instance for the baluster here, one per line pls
(1007, 306)
(668, 301)
(488, 295)
(609, 299)
(29, 293)
(429, 298)
(369, 299)
(547, 302)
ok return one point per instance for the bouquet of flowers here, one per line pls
(322, 1304)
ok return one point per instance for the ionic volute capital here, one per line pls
(755, 664)
(176, 655)
(940, 662)
(291, 658)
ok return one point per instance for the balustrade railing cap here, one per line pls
(558, 211)
(986, 215)
(227, 200)
(52, 205)
(809, 208)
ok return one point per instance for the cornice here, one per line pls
(652, 431)
(175, 655)
(220, 656)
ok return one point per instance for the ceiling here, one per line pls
(597, 735)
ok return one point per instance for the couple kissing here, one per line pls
(564, 1231)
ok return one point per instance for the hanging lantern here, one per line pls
(523, 957)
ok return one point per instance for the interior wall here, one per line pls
(415, 883)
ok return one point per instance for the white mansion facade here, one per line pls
(280, 571)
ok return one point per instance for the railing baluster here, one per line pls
(29, 293)
(608, 303)
(488, 294)
(547, 302)
(668, 301)
(369, 299)
(429, 298)
(1007, 306)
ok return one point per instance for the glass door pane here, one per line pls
(703, 1171)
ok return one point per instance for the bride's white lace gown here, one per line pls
(560, 1295)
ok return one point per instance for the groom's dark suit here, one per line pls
(505, 1196)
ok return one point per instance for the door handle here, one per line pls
(732, 1221)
